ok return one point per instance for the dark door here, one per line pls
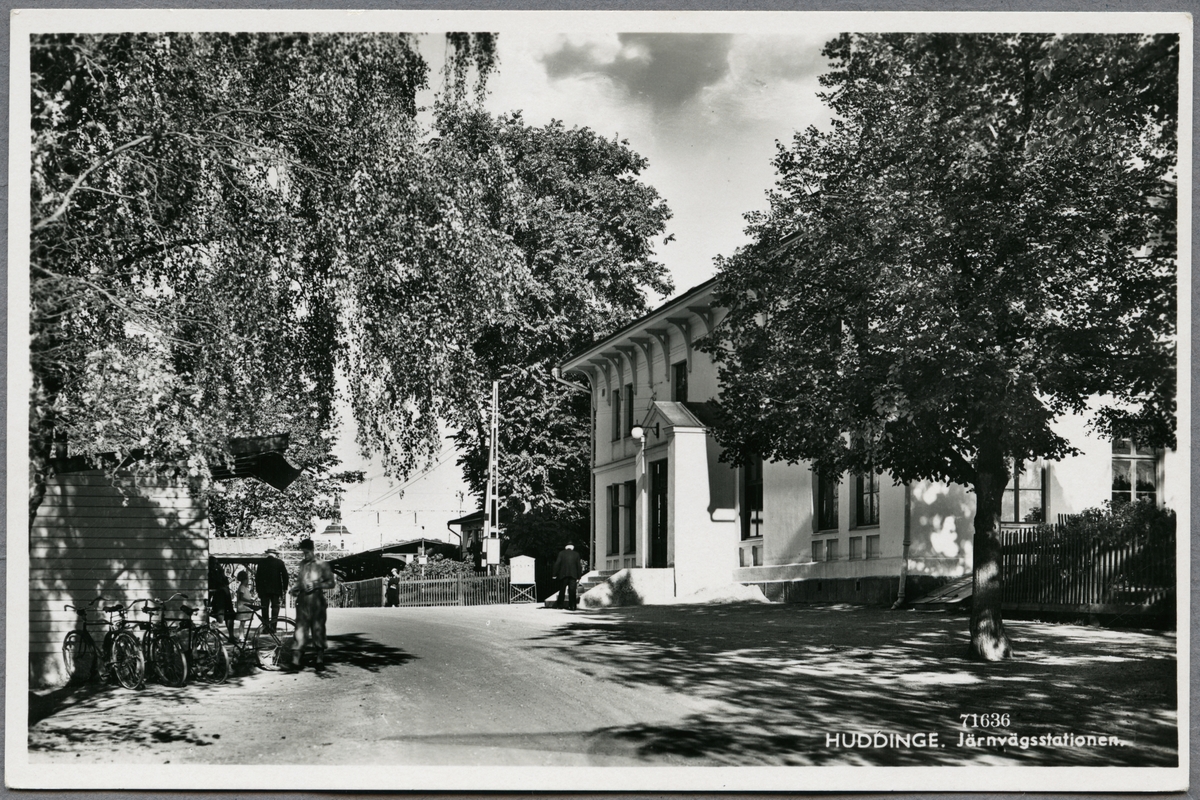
(658, 513)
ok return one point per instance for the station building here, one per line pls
(680, 520)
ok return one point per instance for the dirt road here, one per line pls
(715, 685)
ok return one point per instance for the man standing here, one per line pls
(568, 569)
(272, 582)
(393, 589)
(312, 577)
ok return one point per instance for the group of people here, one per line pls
(272, 581)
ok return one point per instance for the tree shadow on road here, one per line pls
(92, 712)
(361, 652)
(785, 681)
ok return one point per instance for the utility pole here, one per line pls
(491, 505)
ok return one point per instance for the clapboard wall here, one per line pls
(120, 538)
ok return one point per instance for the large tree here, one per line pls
(224, 225)
(570, 205)
(982, 241)
(213, 216)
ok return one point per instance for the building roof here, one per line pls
(474, 518)
(684, 415)
(676, 303)
(258, 457)
(241, 547)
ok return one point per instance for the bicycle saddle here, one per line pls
(114, 609)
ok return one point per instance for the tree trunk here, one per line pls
(989, 642)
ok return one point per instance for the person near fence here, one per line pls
(312, 578)
(393, 589)
(220, 604)
(271, 579)
(568, 569)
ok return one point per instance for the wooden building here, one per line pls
(120, 538)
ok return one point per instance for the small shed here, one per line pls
(522, 579)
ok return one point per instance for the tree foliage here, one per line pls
(567, 206)
(223, 224)
(982, 241)
(213, 216)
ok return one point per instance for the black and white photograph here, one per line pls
(598, 401)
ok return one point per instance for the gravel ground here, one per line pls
(729, 684)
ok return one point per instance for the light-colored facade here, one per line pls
(667, 508)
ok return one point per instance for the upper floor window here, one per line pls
(866, 500)
(616, 414)
(826, 502)
(1025, 496)
(1134, 472)
(628, 410)
(752, 498)
(679, 388)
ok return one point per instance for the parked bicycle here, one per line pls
(208, 661)
(257, 646)
(120, 653)
(164, 656)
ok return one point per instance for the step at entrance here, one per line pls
(953, 596)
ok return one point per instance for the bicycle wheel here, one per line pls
(127, 662)
(272, 650)
(79, 657)
(210, 661)
(170, 662)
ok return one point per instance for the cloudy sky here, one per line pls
(704, 108)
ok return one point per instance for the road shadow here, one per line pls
(789, 684)
(95, 712)
(357, 651)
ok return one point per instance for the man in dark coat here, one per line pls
(272, 581)
(568, 569)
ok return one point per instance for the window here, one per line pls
(679, 373)
(614, 519)
(631, 516)
(816, 554)
(856, 552)
(752, 498)
(866, 500)
(616, 414)
(1025, 496)
(1134, 472)
(873, 546)
(628, 410)
(831, 549)
(826, 502)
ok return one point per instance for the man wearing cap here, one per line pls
(312, 577)
(272, 581)
(568, 569)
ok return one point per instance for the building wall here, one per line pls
(132, 539)
(705, 494)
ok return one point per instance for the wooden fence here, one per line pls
(357, 594)
(481, 591)
(1049, 568)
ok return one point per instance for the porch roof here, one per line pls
(683, 415)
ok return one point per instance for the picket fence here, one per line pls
(1048, 568)
(480, 591)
